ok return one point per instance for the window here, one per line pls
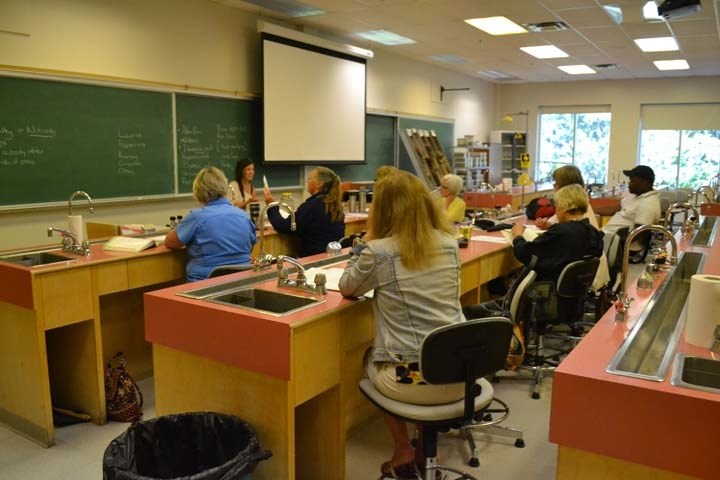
(681, 143)
(580, 138)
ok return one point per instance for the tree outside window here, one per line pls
(580, 139)
(681, 158)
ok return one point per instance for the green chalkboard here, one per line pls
(218, 132)
(444, 132)
(58, 137)
(379, 150)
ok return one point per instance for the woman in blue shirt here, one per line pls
(320, 219)
(216, 234)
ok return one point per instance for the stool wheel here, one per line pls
(535, 396)
(519, 443)
(474, 462)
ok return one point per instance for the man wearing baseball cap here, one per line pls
(641, 207)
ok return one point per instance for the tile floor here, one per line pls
(78, 452)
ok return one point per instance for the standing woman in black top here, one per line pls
(320, 219)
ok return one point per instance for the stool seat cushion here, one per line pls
(426, 413)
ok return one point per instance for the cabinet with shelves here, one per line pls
(505, 150)
(472, 164)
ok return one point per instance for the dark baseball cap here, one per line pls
(642, 171)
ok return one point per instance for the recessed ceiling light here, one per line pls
(671, 65)
(657, 44)
(495, 74)
(452, 59)
(544, 51)
(650, 12)
(496, 25)
(576, 69)
(385, 37)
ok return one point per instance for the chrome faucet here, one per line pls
(78, 193)
(264, 259)
(623, 301)
(300, 280)
(703, 191)
(687, 224)
(70, 241)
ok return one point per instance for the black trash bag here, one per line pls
(189, 446)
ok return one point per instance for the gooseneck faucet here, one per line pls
(704, 192)
(672, 209)
(624, 300)
(264, 260)
(301, 279)
(79, 193)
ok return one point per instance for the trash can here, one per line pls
(191, 446)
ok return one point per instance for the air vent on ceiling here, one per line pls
(606, 66)
(546, 26)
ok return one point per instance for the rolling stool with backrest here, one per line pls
(542, 302)
(462, 352)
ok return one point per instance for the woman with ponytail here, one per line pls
(320, 219)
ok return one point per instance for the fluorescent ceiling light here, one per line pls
(452, 59)
(657, 44)
(614, 12)
(650, 11)
(496, 25)
(494, 74)
(576, 69)
(385, 37)
(544, 51)
(671, 65)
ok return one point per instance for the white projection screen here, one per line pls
(313, 104)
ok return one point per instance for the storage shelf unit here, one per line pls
(505, 150)
(472, 164)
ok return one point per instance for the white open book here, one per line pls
(132, 244)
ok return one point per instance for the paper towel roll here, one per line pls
(77, 227)
(703, 308)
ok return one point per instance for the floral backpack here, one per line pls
(123, 397)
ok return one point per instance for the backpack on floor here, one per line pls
(123, 397)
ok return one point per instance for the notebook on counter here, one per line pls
(133, 244)
(529, 234)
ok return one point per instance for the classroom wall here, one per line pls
(625, 98)
(200, 44)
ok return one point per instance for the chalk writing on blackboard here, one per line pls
(130, 146)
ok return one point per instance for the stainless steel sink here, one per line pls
(226, 287)
(36, 259)
(705, 234)
(648, 350)
(266, 301)
(696, 373)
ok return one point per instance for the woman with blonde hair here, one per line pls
(320, 219)
(571, 175)
(454, 206)
(216, 234)
(409, 257)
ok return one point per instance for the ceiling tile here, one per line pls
(646, 30)
(695, 28)
(586, 17)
